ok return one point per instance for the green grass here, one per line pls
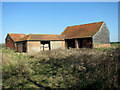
(106, 48)
(112, 46)
(68, 68)
(115, 44)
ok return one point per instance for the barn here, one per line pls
(40, 42)
(92, 35)
(11, 39)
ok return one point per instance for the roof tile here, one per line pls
(82, 31)
(78, 31)
(43, 37)
(16, 37)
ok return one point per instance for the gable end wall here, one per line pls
(101, 38)
(9, 43)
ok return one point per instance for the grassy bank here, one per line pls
(73, 68)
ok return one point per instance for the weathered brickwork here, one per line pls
(33, 46)
(101, 45)
(9, 43)
(57, 44)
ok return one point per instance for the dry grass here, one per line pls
(62, 68)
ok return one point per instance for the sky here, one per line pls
(54, 17)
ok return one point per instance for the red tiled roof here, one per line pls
(43, 37)
(82, 31)
(78, 31)
(16, 37)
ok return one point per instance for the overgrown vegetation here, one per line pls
(2, 45)
(68, 68)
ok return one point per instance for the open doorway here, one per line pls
(85, 42)
(70, 43)
(24, 47)
(82, 43)
(17, 47)
(45, 45)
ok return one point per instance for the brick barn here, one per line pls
(91, 35)
(38, 42)
(11, 40)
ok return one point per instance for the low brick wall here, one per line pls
(100, 45)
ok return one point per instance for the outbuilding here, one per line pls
(92, 35)
(40, 42)
(11, 39)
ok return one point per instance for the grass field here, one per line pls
(68, 68)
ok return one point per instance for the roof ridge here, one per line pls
(43, 34)
(81, 30)
(86, 24)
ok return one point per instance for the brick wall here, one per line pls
(9, 43)
(57, 44)
(20, 47)
(33, 46)
(100, 45)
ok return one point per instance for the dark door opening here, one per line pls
(17, 46)
(85, 42)
(70, 43)
(24, 47)
(45, 45)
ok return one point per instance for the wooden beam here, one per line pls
(76, 43)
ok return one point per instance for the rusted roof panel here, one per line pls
(82, 31)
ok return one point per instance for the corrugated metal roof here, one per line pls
(82, 31)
